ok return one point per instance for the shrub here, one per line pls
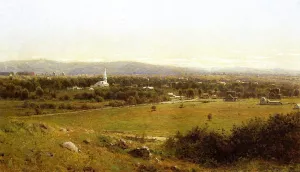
(24, 94)
(200, 146)
(131, 100)
(99, 99)
(65, 97)
(153, 108)
(278, 139)
(26, 104)
(209, 116)
(38, 111)
(116, 103)
(62, 106)
(85, 106)
(39, 92)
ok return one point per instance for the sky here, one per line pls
(186, 33)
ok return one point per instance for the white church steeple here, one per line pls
(104, 76)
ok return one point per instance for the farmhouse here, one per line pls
(103, 83)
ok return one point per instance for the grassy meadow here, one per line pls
(32, 143)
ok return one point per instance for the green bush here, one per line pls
(99, 99)
(39, 92)
(277, 139)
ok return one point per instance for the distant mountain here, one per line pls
(245, 70)
(76, 68)
(124, 68)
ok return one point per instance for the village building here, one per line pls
(149, 88)
(103, 83)
(74, 88)
(205, 96)
(214, 96)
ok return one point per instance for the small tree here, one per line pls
(153, 108)
(24, 94)
(209, 116)
(39, 91)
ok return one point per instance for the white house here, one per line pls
(103, 83)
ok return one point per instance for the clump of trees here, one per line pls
(276, 139)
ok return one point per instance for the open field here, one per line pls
(31, 143)
(168, 118)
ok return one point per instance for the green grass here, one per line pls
(168, 118)
(26, 145)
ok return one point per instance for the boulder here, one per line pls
(143, 152)
(71, 146)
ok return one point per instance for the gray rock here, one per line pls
(71, 146)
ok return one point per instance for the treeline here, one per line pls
(18, 88)
(277, 139)
(129, 95)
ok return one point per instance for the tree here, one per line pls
(190, 93)
(296, 92)
(24, 94)
(131, 100)
(39, 91)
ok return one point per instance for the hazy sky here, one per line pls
(199, 33)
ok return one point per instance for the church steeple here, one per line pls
(104, 76)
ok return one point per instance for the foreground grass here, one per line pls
(26, 146)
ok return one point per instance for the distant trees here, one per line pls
(24, 94)
(131, 100)
(39, 92)
(190, 93)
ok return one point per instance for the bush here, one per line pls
(24, 94)
(39, 92)
(131, 100)
(209, 116)
(153, 108)
(277, 139)
(38, 111)
(99, 99)
(65, 98)
(85, 106)
(116, 103)
(200, 146)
